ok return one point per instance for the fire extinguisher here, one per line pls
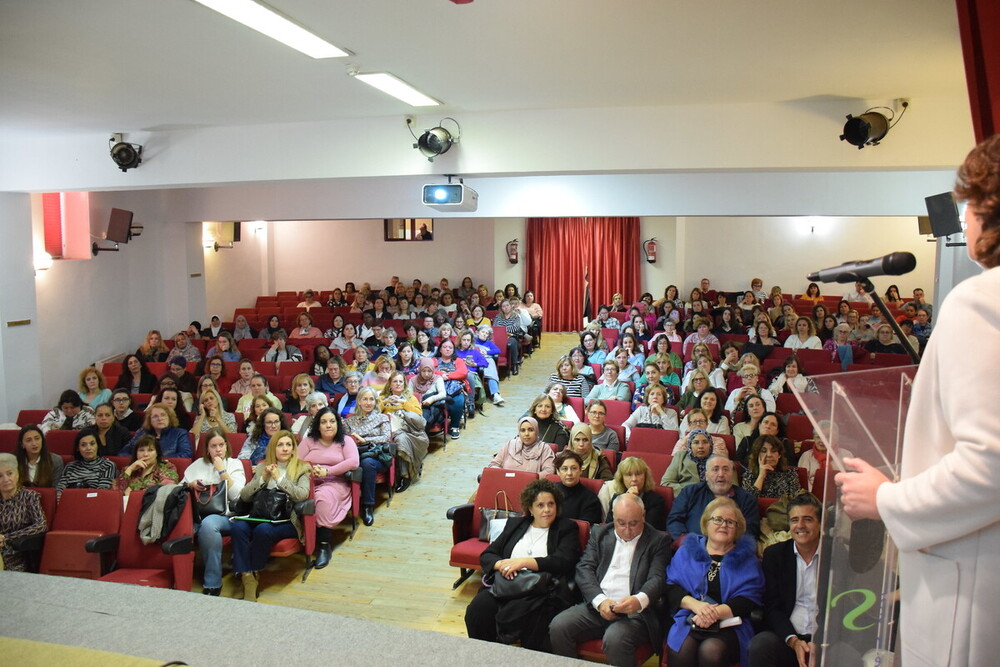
(512, 252)
(649, 247)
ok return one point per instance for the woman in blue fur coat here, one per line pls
(714, 577)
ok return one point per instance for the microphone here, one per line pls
(893, 264)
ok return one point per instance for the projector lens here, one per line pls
(440, 194)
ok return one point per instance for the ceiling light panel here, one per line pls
(398, 88)
(268, 22)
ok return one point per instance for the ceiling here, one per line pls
(128, 65)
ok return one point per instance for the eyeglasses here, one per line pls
(719, 521)
(698, 421)
(703, 379)
(272, 423)
(596, 413)
(120, 399)
(749, 375)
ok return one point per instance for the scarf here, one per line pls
(700, 462)
(257, 455)
(421, 386)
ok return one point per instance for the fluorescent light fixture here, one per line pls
(398, 88)
(268, 22)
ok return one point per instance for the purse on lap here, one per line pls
(213, 500)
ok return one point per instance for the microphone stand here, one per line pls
(887, 316)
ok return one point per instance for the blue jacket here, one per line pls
(174, 443)
(741, 576)
(690, 503)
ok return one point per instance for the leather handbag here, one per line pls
(494, 519)
(271, 505)
(525, 584)
(213, 500)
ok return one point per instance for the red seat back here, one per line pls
(25, 417)
(143, 564)
(652, 440)
(82, 515)
(495, 480)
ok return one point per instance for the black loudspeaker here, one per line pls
(943, 212)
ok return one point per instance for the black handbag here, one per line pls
(493, 519)
(525, 584)
(213, 500)
(271, 505)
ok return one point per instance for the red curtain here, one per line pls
(562, 252)
(979, 25)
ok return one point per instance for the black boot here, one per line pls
(368, 514)
(403, 484)
(323, 555)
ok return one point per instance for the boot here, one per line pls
(323, 555)
(251, 581)
(368, 514)
(402, 484)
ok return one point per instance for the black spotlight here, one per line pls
(435, 141)
(868, 128)
(126, 156)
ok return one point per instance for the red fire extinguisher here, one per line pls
(512, 252)
(649, 247)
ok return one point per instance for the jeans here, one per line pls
(370, 468)
(210, 532)
(456, 406)
(252, 543)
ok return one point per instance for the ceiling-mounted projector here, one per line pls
(451, 197)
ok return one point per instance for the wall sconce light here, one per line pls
(43, 261)
(94, 248)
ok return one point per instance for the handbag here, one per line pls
(453, 387)
(493, 519)
(212, 500)
(525, 584)
(271, 505)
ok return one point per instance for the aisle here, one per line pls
(397, 570)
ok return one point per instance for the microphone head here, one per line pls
(898, 263)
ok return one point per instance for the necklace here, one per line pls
(543, 533)
(713, 570)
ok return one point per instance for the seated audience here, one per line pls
(593, 463)
(543, 540)
(768, 474)
(175, 400)
(622, 583)
(21, 514)
(161, 423)
(302, 386)
(88, 470)
(610, 388)
(654, 413)
(550, 429)
(242, 330)
(713, 577)
(564, 411)
(688, 467)
(408, 429)
(603, 436)
(280, 350)
(332, 382)
(267, 424)
(633, 477)
(93, 391)
(153, 348)
(258, 387)
(146, 468)
(804, 337)
(769, 424)
(884, 342)
(273, 326)
(69, 414)
(689, 505)
(371, 432)
(755, 410)
(225, 347)
(305, 328)
(792, 375)
(36, 465)
(738, 397)
(212, 414)
(121, 401)
(525, 451)
(570, 377)
(331, 453)
(579, 502)
(791, 594)
(111, 434)
(280, 469)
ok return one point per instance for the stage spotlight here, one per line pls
(126, 156)
(437, 140)
(871, 127)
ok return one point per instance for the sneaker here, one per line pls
(498, 400)
(454, 433)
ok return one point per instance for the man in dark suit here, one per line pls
(791, 578)
(621, 576)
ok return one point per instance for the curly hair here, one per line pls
(979, 184)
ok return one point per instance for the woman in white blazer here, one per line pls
(944, 514)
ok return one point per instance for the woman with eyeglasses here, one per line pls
(121, 401)
(268, 423)
(713, 577)
(602, 436)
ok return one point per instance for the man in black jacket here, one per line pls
(621, 576)
(791, 577)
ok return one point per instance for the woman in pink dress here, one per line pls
(332, 454)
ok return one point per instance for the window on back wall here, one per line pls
(409, 229)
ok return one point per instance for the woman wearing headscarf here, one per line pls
(241, 329)
(688, 467)
(273, 326)
(429, 387)
(526, 451)
(594, 464)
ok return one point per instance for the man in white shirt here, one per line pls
(621, 576)
(859, 294)
(791, 577)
